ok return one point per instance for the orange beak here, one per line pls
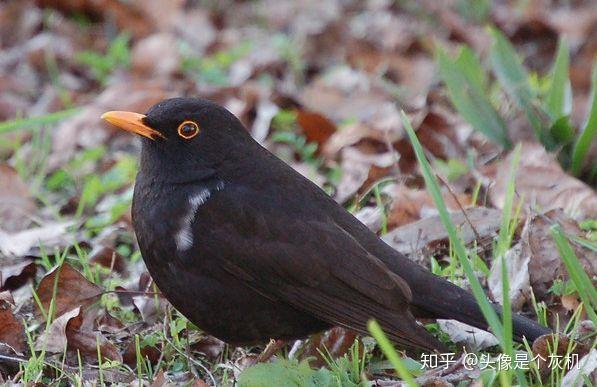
(131, 122)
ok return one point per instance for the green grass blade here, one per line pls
(514, 78)
(390, 353)
(433, 188)
(31, 122)
(559, 96)
(503, 244)
(584, 286)
(465, 81)
(468, 63)
(586, 137)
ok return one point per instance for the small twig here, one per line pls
(14, 359)
(188, 355)
(135, 292)
(477, 235)
(270, 350)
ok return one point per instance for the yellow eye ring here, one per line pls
(188, 130)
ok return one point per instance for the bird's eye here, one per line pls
(188, 130)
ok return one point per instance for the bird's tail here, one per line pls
(439, 298)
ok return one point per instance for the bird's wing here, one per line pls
(312, 264)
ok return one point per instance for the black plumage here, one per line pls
(248, 249)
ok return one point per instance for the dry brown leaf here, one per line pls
(12, 331)
(517, 266)
(127, 15)
(550, 344)
(156, 55)
(151, 308)
(425, 237)
(159, 380)
(301, 18)
(372, 217)
(448, 375)
(16, 204)
(15, 275)
(86, 342)
(543, 184)
(54, 339)
(344, 93)
(570, 302)
(85, 129)
(210, 346)
(409, 205)
(66, 332)
(316, 127)
(349, 135)
(129, 355)
(545, 263)
(73, 290)
(335, 342)
(104, 250)
(177, 379)
(27, 242)
(475, 339)
(587, 366)
(356, 167)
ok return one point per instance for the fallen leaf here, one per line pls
(127, 16)
(335, 342)
(474, 338)
(54, 340)
(382, 127)
(344, 93)
(452, 374)
(87, 342)
(543, 185)
(587, 368)
(12, 331)
(409, 205)
(316, 127)
(15, 275)
(209, 346)
(65, 332)
(159, 380)
(151, 308)
(108, 324)
(551, 346)
(73, 290)
(517, 266)
(26, 242)
(355, 170)
(85, 129)
(177, 379)
(104, 250)
(301, 18)
(370, 217)
(16, 204)
(147, 352)
(111, 376)
(426, 236)
(156, 55)
(545, 264)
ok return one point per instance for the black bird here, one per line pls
(248, 249)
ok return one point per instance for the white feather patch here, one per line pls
(184, 236)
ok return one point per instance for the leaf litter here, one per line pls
(335, 75)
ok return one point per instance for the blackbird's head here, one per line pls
(184, 136)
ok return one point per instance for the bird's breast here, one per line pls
(164, 214)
